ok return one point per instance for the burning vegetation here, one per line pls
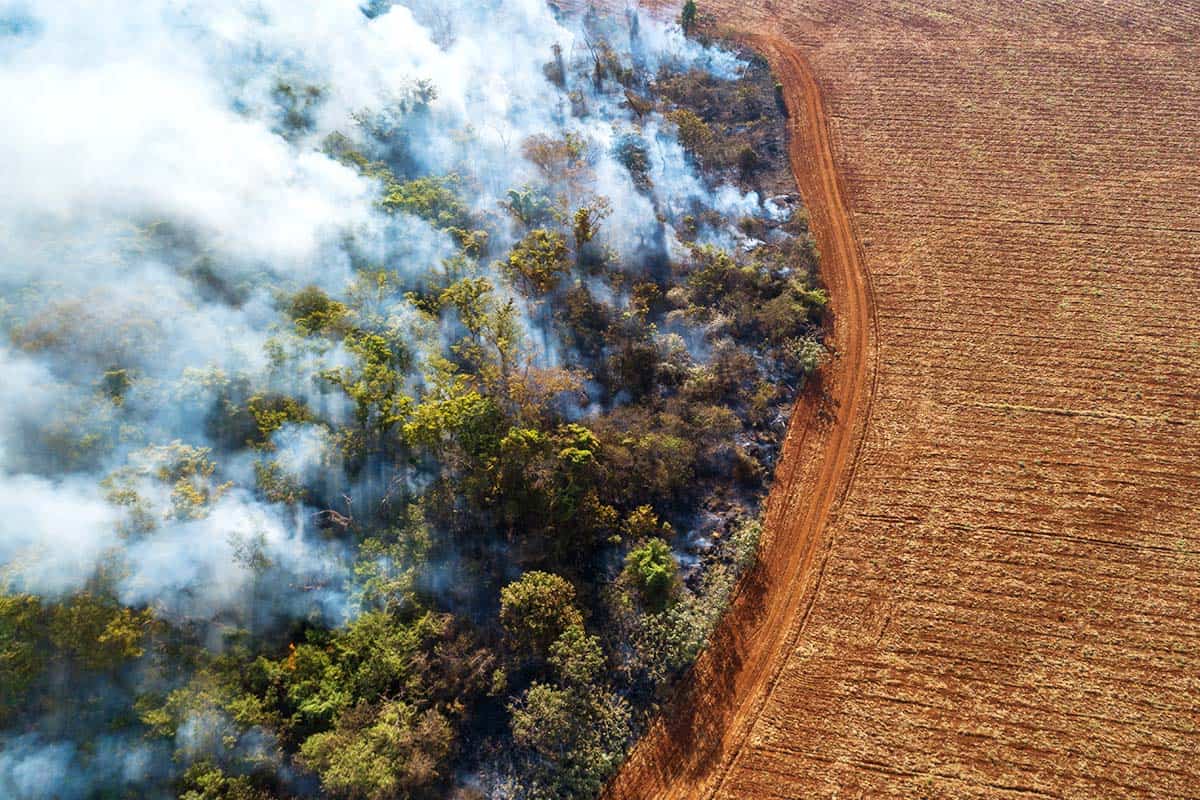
(426, 462)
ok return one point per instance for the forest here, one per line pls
(387, 413)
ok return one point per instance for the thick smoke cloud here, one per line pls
(32, 768)
(119, 117)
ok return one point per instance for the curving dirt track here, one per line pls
(982, 570)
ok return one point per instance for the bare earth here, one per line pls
(982, 570)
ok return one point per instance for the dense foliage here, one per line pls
(543, 462)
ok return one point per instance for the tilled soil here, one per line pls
(982, 570)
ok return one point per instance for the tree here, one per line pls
(577, 657)
(538, 262)
(587, 222)
(387, 752)
(434, 199)
(22, 650)
(187, 469)
(633, 153)
(206, 781)
(653, 570)
(437, 200)
(377, 384)
(695, 134)
(747, 160)
(389, 563)
(271, 412)
(642, 523)
(460, 426)
(536, 609)
(541, 720)
(574, 738)
(687, 19)
(377, 702)
(556, 70)
(562, 161)
(315, 312)
(528, 205)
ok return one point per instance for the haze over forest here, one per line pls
(387, 393)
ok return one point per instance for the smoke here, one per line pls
(140, 139)
(123, 121)
(32, 768)
(55, 533)
(165, 181)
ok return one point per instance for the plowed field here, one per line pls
(982, 570)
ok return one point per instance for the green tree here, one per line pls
(187, 469)
(271, 412)
(377, 385)
(433, 199)
(577, 657)
(471, 297)
(654, 572)
(538, 262)
(542, 720)
(389, 564)
(460, 426)
(389, 752)
(528, 205)
(643, 523)
(315, 312)
(694, 133)
(438, 201)
(97, 632)
(22, 650)
(587, 221)
(536, 609)
(687, 19)
(573, 737)
(206, 781)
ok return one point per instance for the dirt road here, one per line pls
(982, 577)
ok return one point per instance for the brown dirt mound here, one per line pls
(982, 570)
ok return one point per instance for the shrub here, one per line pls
(538, 262)
(632, 152)
(536, 609)
(687, 19)
(654, 572)
(694, 133)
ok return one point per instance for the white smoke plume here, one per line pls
(121, 116)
